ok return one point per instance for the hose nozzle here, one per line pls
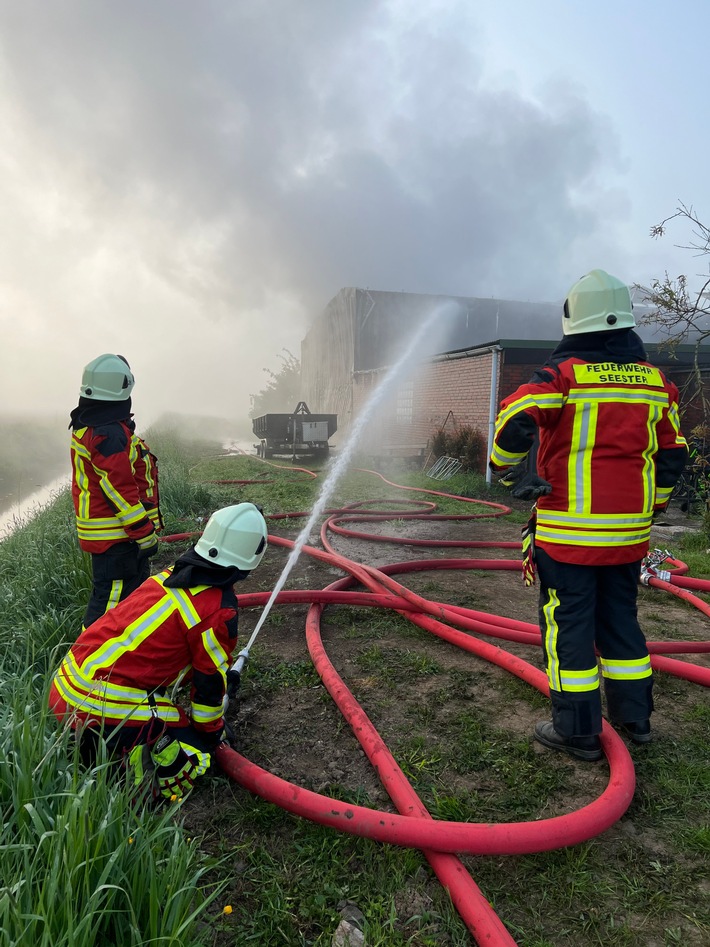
(234, 674)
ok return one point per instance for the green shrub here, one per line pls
(467, 444)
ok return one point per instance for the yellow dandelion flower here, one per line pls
(227, 909)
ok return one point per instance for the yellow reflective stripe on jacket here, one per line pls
(648, 472)
(103, 527)
(182, 599)
(663, 494)
(137, 632)
(134, 635)
(128, 514)
(80, 449)
(579, 466)
(586, 538)
(79, 454)
(504, 458)
(593, 529)
(205, 713)
(627, 670)
(184, 602)
(539, 400)
(215, 651)
(619, 396)
(106, 698)
(580, 680)
(595, 521)
(141, 450)
(133, 451)
(675, 424)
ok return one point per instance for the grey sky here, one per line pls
(189, 183)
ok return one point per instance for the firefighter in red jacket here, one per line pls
(114, 485)
(119, 677)
(610, 451)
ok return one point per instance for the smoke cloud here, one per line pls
(189, 184)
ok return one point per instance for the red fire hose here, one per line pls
(414, 826)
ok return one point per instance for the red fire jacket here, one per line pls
(610, 446)
(148, 642)
(146, 473)
(105, 487)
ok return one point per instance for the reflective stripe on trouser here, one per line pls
(116, 573)
(584, 606)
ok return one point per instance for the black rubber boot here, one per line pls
(638, 731)
(582, 748)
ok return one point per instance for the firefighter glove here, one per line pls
(148, 545)
(175, 770)
(528, 543)
(531, 489)
(234, 680)
(140, 765)
(525, 485)
(218, 737)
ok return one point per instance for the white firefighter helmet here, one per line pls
(107, 378)
(234, 536)
(598, 302)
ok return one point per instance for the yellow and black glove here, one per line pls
(175, 770)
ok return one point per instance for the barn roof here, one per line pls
(381, 320)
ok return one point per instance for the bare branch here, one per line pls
(683, 313)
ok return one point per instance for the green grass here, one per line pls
(81, 861)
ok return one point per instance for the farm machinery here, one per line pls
(299, 433)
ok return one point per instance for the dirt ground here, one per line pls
(297, 733)
(499, 593)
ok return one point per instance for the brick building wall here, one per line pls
(455, 392)
(451, 392)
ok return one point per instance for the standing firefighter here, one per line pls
(114, 485)
(180, 625)
(610, 451)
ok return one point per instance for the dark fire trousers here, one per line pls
(582, 607)
(117, 572)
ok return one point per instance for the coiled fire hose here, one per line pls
(413, 826)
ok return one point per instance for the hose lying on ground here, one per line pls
(414, 826)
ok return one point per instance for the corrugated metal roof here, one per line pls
(382, 319)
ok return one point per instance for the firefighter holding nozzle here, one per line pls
(610, 452)
(180, 625)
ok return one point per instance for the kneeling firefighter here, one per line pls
(610, 451)
(179, 625)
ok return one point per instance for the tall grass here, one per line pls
(82, 861)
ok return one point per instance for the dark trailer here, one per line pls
(297, 433)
